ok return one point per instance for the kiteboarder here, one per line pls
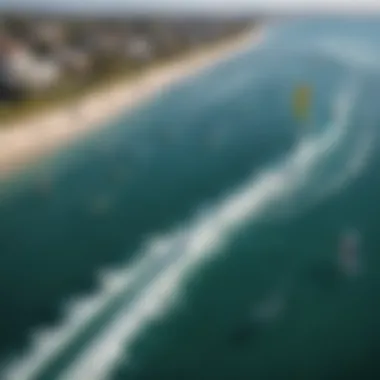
(302, 102)
(301, 108)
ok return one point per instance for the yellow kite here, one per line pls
(302, 102)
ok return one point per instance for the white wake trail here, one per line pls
(203, 239)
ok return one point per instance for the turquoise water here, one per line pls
(145, 251)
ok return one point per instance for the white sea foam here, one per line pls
(203, 238)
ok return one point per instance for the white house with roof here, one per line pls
(21, 69)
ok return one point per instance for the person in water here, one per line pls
(348, 254)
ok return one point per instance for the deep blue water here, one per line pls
(143, 251)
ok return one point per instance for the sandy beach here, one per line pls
(25, 141)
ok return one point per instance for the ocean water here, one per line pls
(198, 236)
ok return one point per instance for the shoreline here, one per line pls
(24, 142)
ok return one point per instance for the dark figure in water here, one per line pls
(347, 265)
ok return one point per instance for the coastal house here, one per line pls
(21, 71)
(7, 91)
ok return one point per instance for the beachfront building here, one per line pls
(22, 71)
